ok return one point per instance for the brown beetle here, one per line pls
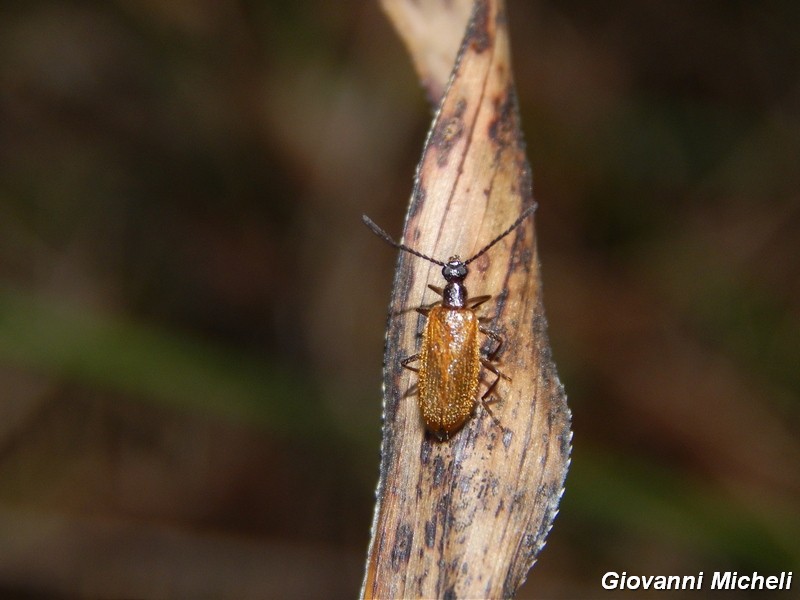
(450, 355)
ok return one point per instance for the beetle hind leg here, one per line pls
(487, 396)
(495, 420)
(412, 390)
(493, 368)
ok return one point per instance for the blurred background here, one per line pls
(192, 314)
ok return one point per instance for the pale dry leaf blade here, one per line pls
(466, 517)
(432, 31)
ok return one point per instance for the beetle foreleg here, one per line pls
(425, 308)
(477, 301)
(436, 289)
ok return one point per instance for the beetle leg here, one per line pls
(488, 410)
(477, 301)
(493, 368)
(485, 404)
(436, 289)
(495, 337)
(490, 387)
(425, 308)
(413, 389)
(485, 399)
(409, 359)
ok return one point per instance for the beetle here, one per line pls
(450, 356)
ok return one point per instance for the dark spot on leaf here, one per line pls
(438, 471)
(430, 532)
(507, 437)
(500, 508)
(529, 541)
(443, 510)
(448, 130)
(500, 300)
(418, 200)
(478, 36)
(516, 500)
(425, 452)
(480, 265)
(402, 545)
(524, 260)
(504, 128)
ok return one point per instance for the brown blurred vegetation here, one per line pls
(191, 313)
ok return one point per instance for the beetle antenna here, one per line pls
(385, 237)
(525, 214)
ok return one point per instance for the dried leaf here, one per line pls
(433, 32)
(466, 517)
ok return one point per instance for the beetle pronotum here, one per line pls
(450, 354)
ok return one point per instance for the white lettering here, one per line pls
(689, 582)
(721, 581)
(757, 580)
(610, 580)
